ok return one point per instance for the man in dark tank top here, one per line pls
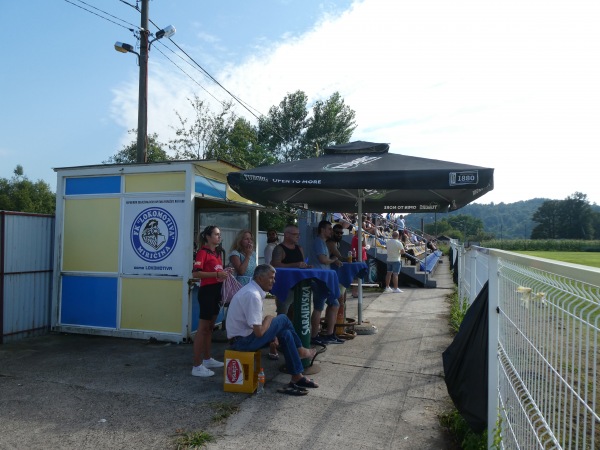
(288, 254)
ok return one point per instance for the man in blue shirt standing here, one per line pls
(320, 259)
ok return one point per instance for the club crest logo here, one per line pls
(154, 234)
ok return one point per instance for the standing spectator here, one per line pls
(354, 246)
(272, 241)
(400, 222)
(322, 260)
(208, 266)
(288, 254)
(395, 250)
(242, 257)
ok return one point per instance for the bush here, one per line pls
(548, 245)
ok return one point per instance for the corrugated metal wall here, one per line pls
(26, 249)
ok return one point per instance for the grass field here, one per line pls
(585, 258)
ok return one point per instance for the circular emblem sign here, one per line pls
(154, 234)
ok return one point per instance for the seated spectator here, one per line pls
(369, 227)
(405, 239)
(343, 220)
(431, 245)
(248, 331)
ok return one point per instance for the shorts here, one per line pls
(320, 296)
(394, 266)
(209, 298)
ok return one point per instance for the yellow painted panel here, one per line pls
(151, 304)
(155, 182)
(234, 196)
(91, 235)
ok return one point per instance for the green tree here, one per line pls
(462, 227)
(332, 123)
(205, 136)
(576, 217)
(22, 195)
(243, 148)
(571, 218)
(282, 131)
(290, 133)
(547, 217)
(128, 154)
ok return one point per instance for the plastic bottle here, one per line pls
(349, 257)
(261, 381)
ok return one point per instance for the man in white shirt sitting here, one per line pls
(248, 331)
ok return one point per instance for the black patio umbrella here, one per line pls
(365, 177)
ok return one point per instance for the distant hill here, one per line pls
(504, 220)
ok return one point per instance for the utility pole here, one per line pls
(142, 137)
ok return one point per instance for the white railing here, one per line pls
(544, 328)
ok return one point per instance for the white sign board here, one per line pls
(151, 240)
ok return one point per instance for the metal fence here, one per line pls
(543, 390)
(26, 242)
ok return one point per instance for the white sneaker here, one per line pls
(212, 363)
(201, 371)
(387, 290)
(397, 291)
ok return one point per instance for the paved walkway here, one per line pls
(380, 391)
(377, 391)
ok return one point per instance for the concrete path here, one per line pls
(377, 391)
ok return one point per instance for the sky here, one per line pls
(511, 85)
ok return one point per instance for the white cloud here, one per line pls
(511, 85)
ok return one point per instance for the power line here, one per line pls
(102, 17)
(197, 66)
(211, 77)
(188, 75)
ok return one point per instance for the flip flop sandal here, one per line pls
(273, 356)
(306, 383)
(292, 390)
(317, 353)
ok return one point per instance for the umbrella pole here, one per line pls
(359, 256)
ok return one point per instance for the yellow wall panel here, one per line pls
(91, 235)
(151, 304)
(155, 182)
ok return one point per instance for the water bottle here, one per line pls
(349, 259)
(261, 381)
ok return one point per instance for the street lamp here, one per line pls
(142, 139)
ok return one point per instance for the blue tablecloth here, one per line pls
(349, 271)
(286, 279)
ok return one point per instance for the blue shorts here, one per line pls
(394, 266)
(320, 296)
